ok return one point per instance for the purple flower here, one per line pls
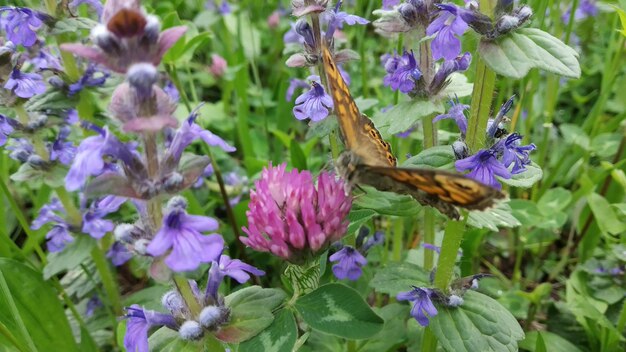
(208, 172)
(94, 4)
(59, 234)
(45, 60)
(94, 223)
(93, 303)
(514, 153)
(6, 127)
(21, 24)
(449, 23)
(89, 157)
(314, 104)
(292, 36)
(423, 307)
(119, 254)
(460, 63)
(291, 218)
(58, 237)
(223, 8)
(234, 268)
(294, 84)
(91, 78)
(139, 322)
(182, 233)
(586, 8)
(62, 150)
(21, 149)
(349, 263)
(171, 91)
(338, 19)
(25, 85)
(72, 117)
(402, 72)
(484, 167)
(376, 239)
(387, 4)
(190, 131)
(456, 113)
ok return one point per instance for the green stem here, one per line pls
(108, 280)
(15, 313)
(182, 284)
(429, 341)
(429, 236)
(68, 203)
(398, 239)
(450, 246)
(69, 63)
(8, 335)
(482, 97)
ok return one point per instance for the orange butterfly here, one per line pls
(368, 160)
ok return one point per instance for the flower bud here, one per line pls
(191, 330)
(212, 317)
(455, 301)
(304, 29)
(124, 233)
(177, 202)
(141, 245)
(522, 13)
(218, 65)
(36, 161)
(174, 303)
(37, 122)
(104, 39)
(409, 13)
(142, 77)
(56, 82)
(506, 24)
(152, 30)
(460, 149)
(173, 181)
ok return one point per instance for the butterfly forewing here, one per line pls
(358, 131)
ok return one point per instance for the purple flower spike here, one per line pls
(484, 167)
(21, 24)
(25, 85)
(514, 153)
(456, 113)
(291, 218)
(349, 263)
(139, 322)
(423, 307)
(234, 268)
(402, 72)
(314, 104)
(446, 27)
(182, 233)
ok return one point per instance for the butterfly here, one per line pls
(368, 160)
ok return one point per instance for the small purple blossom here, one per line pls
(337, 19)
(21, 149)
(423, 307)
(484, 167)
(515, 154)
(349, 263)
(294, 84)
(45, 60)
(586, 8)
(388, 4)
(25, 85)
(58, 237)
(94, 4)
(234, 268)
(119, 254)
(182, 233)
(402, 72)
(292, 218)
(223, 7)
(171, 91)
(61, 149)
(6, 127)
(94, 223)
(93, 303)
(314, 104)
(91, 78)
(458, 64)
(376, 239)
(456, 113)
(59, 234)
(21, 24)
(139, 322)
(208, 172)
(446, 27)
(292, 36)
(190, 131)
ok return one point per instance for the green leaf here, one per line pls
(525, 179)
(279, 337)
(479, 324)
(526, 212)
(51, 99)
(250, 312)
(72, 25)
(339, 310)
(298, 159)
(387, 203)
(501, 215)
(167, 340)
(458, 87)
(554, 200)
(573, 134)
(399, 277)
(29, 305)
(516, 53)
(403, 116)
(55, 177)
(74, 254)
(439, 157)
(393, 333)
(323, 128)
(249, 36)
(551, 341)
(357, 218)
(605, 215)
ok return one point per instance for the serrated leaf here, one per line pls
(72, 25)
(74, 254)
(387, 203)
(339, 310)
(552, 342)
(501, 215)
(516, 53)
(250, 312)
(29, 305)
(525, 179)
(439, 157)
(279, 337)
(399, 277)
(605, 215)
(479, 324)
(403, 116)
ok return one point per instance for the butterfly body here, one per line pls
(368, 160)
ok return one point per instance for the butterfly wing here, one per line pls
(359, 133)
